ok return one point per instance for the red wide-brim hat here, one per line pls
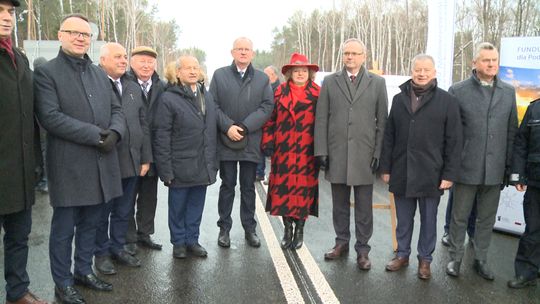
(299, 60)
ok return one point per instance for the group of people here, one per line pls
(112, 132)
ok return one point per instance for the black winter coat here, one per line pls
(74, 103)
(526, 153)
(422, 148)
(19, 142)
(135, 148)
(157, 88)
(184, 138)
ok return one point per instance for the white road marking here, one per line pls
(286, 279)
(318, 280)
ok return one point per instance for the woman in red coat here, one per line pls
(293, 191)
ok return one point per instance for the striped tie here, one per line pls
(144, 86)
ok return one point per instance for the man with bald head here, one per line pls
(135, 154)
(84, 121)
(244, 103)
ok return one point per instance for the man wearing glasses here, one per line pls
(349, 128)
(84, 121)
(244, 103)
(17, 164)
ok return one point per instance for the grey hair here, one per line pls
(105, 49)
(482, 46)
(274, 69)
(421, 57)
(354, 40)
(243, 38)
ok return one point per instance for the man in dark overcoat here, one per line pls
(143, 73)
(84, 122)
(244, 103)
(19, 147)
(349, 128)
(420, 159)
(134, 153)
(489, 118)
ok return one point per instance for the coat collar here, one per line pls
(74, 62)
(364, 78)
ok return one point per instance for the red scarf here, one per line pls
(8, 46)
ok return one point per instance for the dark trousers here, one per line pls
(143, 223)
(487, 197)
(527, 260)
(186, 206)
(471, 224)
(261, 167)
(17, 227)
(66, 223)
(405, 211)
(110, 238)
(228, 173)
(363, 214)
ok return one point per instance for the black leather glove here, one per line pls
(108, 140)
(374, 164)
(167, 183)
(268, 152)
(322, 162)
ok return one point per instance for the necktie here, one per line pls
(353, 78)
(118, 86)
(144, 86)
(241, 74)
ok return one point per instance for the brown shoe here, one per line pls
(28, 298)
(363, 261)
(397, 263)
(338, 251)
(424, 271)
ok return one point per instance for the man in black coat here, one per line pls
(526, 176)
(135, 154)
(420, 159)
(143, 73)
(84, 121)
(19, 146)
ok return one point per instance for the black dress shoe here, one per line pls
(146, 241)
(179, 252)
(253, 240)
(131, 248)
(69, 295)
(93, 282)
(223, 239)
(483, 270)
(104, 264)
(124, 258)
(521, 282)
(197, 250)
(452, 269)
(444, 240)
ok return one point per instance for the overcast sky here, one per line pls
(212, 25)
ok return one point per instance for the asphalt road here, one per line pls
(242, 274)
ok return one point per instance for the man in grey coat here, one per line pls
(135, 155)
(244, 102)
(349, 127)
(489, 117)
(84, 121)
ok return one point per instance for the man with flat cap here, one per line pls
(84, 121)
(19, 146)
(143, 64)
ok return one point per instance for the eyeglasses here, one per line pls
(242, 50)
(77, 34)
(347, 54)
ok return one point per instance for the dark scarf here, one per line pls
(8, 46)
(418, 93)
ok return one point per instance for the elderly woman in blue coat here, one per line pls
(185, 153)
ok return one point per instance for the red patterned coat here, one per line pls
(293, 184)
